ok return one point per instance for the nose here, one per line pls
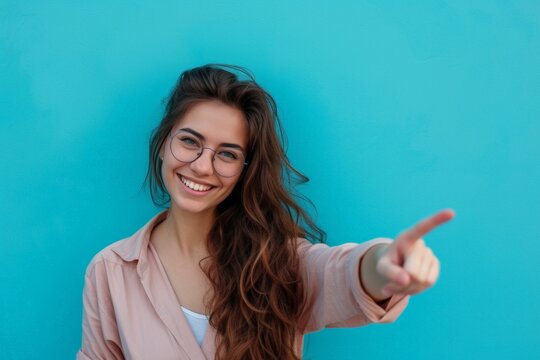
(203, 165)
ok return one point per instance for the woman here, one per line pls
(226, 271)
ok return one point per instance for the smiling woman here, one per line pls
(234, 268)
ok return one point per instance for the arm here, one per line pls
(100, 339)
(334, 296)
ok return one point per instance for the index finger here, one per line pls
(424, 226)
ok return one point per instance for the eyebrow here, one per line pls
(201, 136)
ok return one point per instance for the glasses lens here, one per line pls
(228, 162)
(185, 146)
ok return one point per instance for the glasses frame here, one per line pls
(173, 136)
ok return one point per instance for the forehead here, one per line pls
(217, 122)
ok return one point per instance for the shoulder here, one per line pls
(127, 251)
(107, 256)
(112, 252)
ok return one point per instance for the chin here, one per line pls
(189, 207)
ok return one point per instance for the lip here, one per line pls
(191, 191)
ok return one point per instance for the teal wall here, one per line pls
(394, 111)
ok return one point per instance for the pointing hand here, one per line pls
(407, 263)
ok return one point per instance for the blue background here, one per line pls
(393, 109)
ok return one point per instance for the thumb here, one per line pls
(391, 271)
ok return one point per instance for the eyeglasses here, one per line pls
(186, 148)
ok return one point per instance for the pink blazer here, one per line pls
(130, 310)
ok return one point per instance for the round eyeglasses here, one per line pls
(228, 161)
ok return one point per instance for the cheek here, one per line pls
(168, 175)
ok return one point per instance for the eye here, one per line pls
(228, 155)
(188, 141)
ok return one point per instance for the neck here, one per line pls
(188, 231)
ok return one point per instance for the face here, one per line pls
(196, 187)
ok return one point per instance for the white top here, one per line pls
(197, 322)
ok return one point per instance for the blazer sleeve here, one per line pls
(334, 296)
(100, 339)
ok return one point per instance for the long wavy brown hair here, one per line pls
(258, 294)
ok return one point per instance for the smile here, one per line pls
(194, 186)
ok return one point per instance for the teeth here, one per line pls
(194, 186)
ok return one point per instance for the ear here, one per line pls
(162, 152)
